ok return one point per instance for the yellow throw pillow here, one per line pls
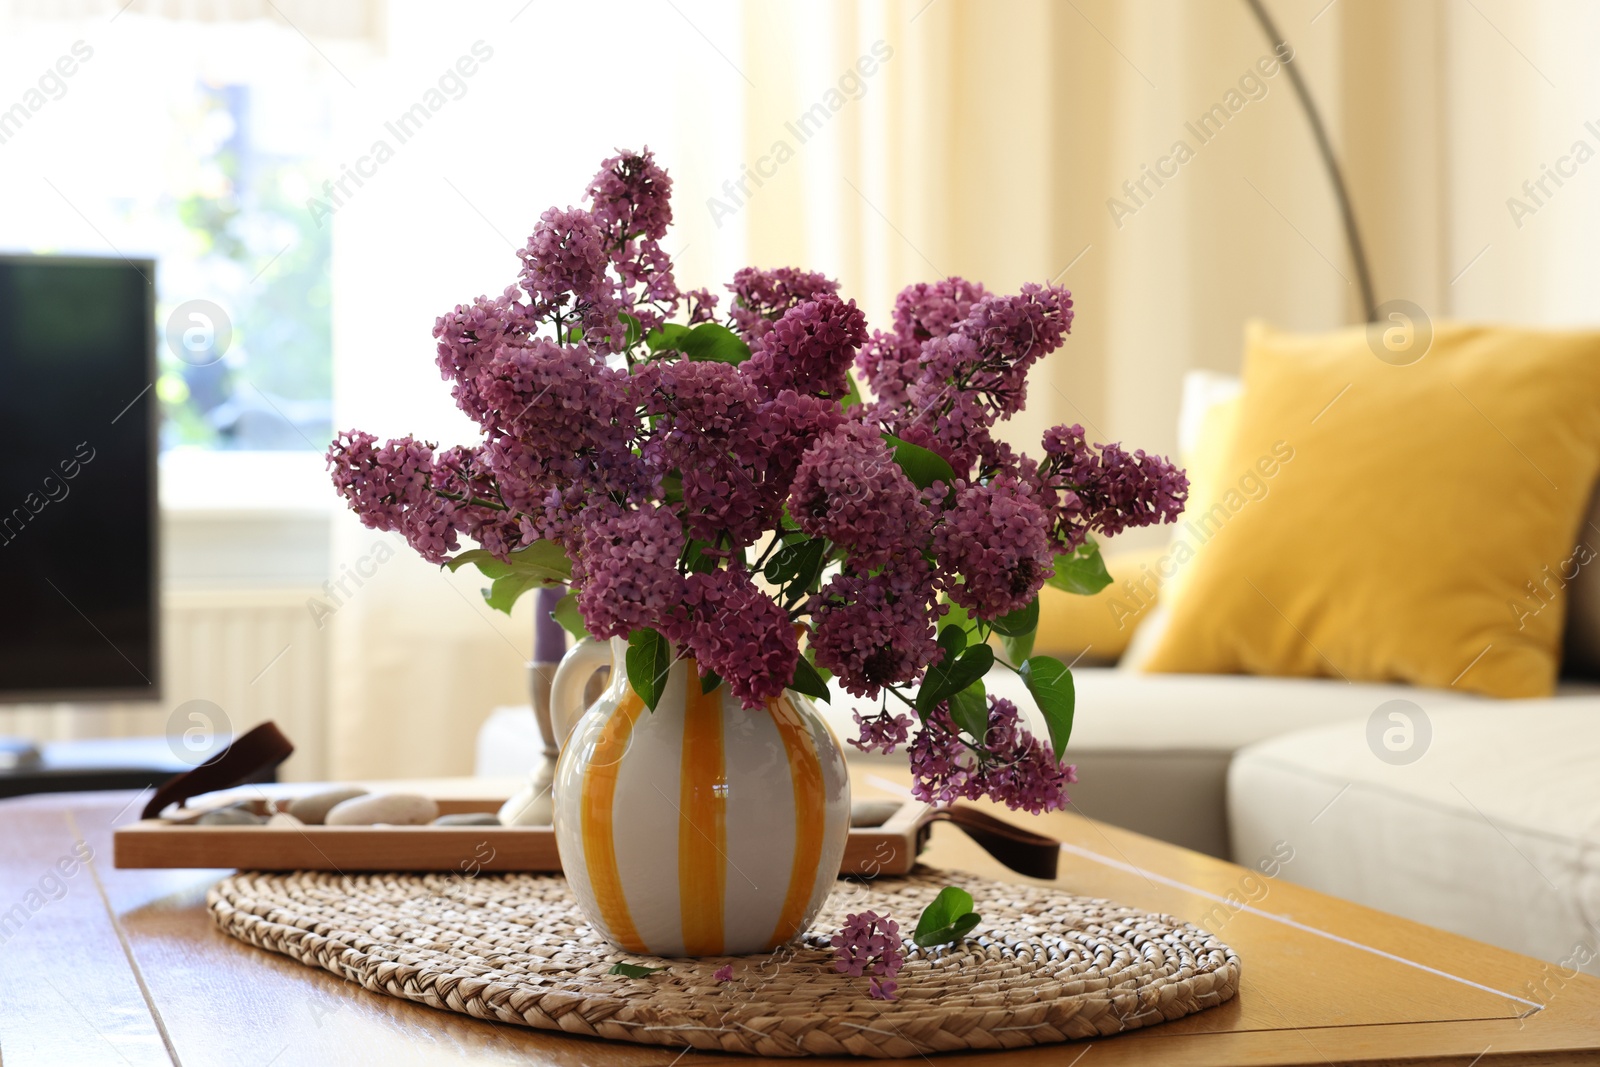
(1097, 629)
(1413, 519)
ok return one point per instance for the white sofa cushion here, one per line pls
(1126, 711)
(1493, 832)
(1153, 749)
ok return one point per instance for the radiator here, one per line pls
(256, 654)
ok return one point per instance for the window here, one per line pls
(197, 145)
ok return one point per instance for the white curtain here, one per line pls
(418, 660)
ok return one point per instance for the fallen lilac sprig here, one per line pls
(869, 944)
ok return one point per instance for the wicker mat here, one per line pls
(1042, 967)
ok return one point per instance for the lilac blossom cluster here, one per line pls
(869, 944)
(719, 481)
(1015, 768)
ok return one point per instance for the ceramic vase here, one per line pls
(701, 828)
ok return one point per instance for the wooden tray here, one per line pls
(890, 848)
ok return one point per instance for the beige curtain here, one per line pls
(996, 142)
(891, 141)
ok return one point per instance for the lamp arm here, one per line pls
(1352, 233)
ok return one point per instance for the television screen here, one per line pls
(78, 577)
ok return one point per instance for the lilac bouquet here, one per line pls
(716, 483)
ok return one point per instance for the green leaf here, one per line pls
(672, 487)
(1050, 682)
(957, 615)
(1019, 622)
(950, 677)
(649, 661)
(571, 619)
(922, 466)
(797, 566)
(793, 559)
(635, 329)
(969, 709)
(951, 934)
(668, 337)
(808, 681)
(946, 920)
(481, 558)
(951, 903)
(711, 341)
(1082, 572)
(1018, 649)
(822, 672)
(539, 564)
(853, 396)
(696, 560)
(505, 591)
(629, 970)
(709, 681)
(543, 559)
(953, 639)
(1017, 631)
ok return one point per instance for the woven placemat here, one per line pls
(1043, 967)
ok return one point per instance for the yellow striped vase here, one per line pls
(701, 828)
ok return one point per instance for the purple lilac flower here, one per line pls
(1014, 767)
(882, 732)
(644, 265)
(921, 311)
(564, 270)
(736, 630)
(1105, 489)
(961, 382)
(869, 944)
(809, 349)
(762, 296)
(463, 472)
(470, 335)
(626, 574)
(723, 973)
(631, 200)
(557, 400)
(1015, 332)
(561, 425)
(783, 429)
(702, 305)
(850, 490)
(879, 629)
(389, 487)
(704, 414)
(996, 538)
(928, 310)
(632, 195)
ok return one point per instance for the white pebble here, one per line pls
(396, 809)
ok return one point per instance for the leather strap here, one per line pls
(249, 754)
(1024, 851)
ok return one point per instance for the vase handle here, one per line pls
(572, 678)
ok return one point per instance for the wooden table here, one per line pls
(124, 967)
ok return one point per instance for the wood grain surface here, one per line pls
(124, 967)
